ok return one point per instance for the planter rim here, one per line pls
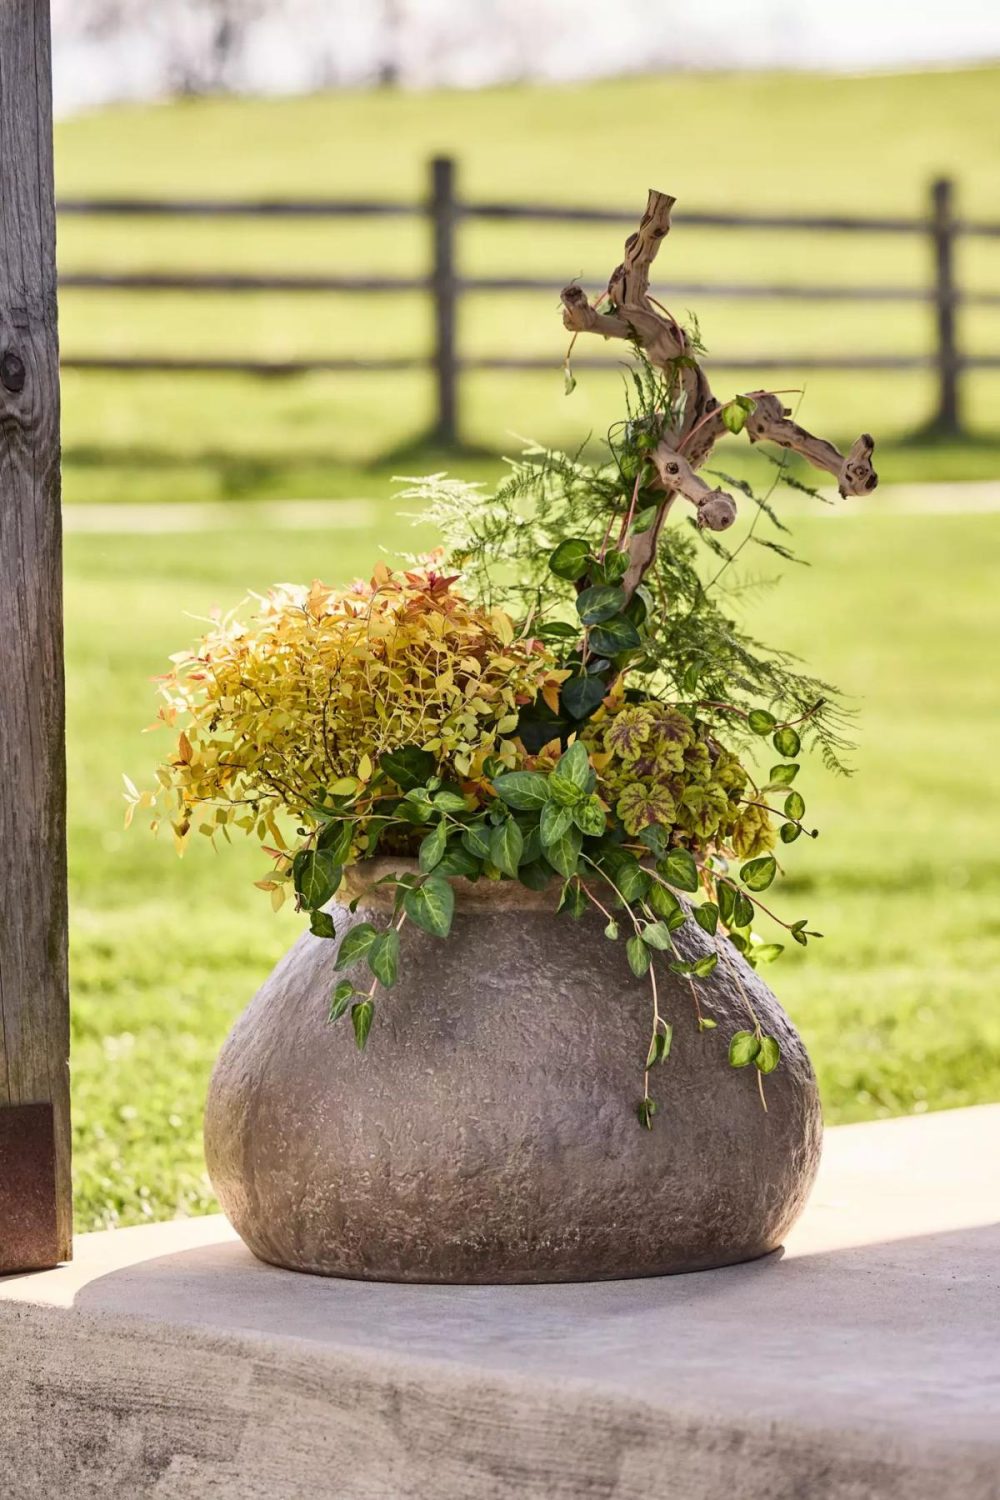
(361, 881)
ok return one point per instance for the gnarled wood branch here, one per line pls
(771, 422)
(695, 422)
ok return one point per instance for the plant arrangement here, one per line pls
(559, 695)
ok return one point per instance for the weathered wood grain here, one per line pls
(34, 1011)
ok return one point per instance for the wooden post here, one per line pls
(35, 1197)
(443, 211)
(947, 418)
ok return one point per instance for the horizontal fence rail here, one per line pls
(444, 212)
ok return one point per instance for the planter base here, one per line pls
(488, 1132)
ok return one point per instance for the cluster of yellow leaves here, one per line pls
(279, 715)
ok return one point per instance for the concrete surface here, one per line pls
(863, 1364)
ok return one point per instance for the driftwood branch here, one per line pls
(771, 422)
(694, 422)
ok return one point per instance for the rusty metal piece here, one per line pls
(28, 1232)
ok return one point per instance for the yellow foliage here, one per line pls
(284, 713)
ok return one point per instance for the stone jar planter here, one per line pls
(488, 1131)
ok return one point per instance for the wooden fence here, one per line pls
(445, 211)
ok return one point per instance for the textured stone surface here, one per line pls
(488, 1133)
(166, 1363)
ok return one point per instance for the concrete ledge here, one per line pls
(861, 1365)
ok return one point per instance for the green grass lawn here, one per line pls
(856, 145)
(897, 1004)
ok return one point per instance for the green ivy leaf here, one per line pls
(795, 806)
(657, 935)
(315, 876)
(638, 956)
(362, 1016)
(572, 899)
(383, 957)
(782, 776)
(580, 696)
(574, 766)
(602, 602)
(705, 1023)
(659, 1046)
(321, 924)
(555, 822)
(431, 851)
(571, 558)
(614, 566)
(646, 1109)
(355, 944)
(535, 875)
(707, 916)
(563, 854)
(458, 861)
(786, 742)
(757, 874)
(680, 870)
(614, 637)
(611, 931)
(743, 1048)
(743, 913)
(506, 846)
(664, 902)
(476, 840)
(769, 1055)
(449, 801)
(341, 998)
(759, 721)
(702, 967)
(524, 790)
(408, 767)
(734, 416)
(335, 840)
(766, 953)
(631, 879)
(643, 519)
(725, 894)
(431, 906)
(789, 832)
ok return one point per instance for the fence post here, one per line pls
(35, 1198)
(443, 212)
(947, 418)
